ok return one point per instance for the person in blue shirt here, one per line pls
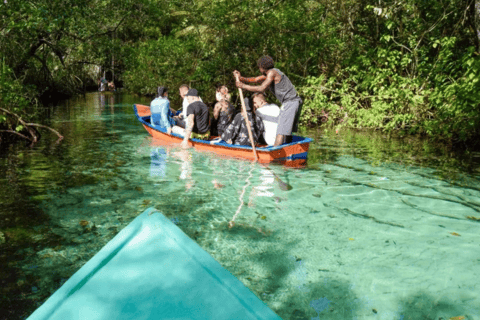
(162, 115)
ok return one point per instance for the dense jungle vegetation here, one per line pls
(398, 65)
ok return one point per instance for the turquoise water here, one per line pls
(365, 233)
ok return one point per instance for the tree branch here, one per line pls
(17, 133)
(28, 125)
(45, 127)
(57, 51)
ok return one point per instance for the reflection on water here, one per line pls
(158, 164)
(372, 229)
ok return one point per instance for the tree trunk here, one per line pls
(477, 22)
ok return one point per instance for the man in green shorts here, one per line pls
(198, 120)
(283, 89)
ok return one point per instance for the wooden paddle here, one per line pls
(245, 117)
(282, 185)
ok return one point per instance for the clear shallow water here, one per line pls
(366, 232)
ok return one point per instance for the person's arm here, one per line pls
(216, 110)
(188, 130)
(260, 125)
(261, 88)
(164, 115)
(258, 79)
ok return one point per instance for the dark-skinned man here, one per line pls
(283, 90)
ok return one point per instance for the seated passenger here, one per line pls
(222, 93)
(237, 132)
(223, 112)
(102, 84)
(197, 119)
(268, 112)
(162, 116)
(181, 118)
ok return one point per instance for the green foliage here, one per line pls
(14, 97)
(404, 74)
(407, 65)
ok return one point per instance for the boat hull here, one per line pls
(293, 154)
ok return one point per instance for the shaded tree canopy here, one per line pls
(389, 65)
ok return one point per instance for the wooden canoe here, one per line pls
(293, 154)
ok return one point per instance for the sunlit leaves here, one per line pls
(395, 64)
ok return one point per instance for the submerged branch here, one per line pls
(414, 206)
(365, 216)
(448, 181)
(445, 192)
(469, 204)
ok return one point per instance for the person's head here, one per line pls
(183, 89)
(192, 95)
(248, 104)
(162, 92)
(259, 100)
(265, 63)
(222, 93)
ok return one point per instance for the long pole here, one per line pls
(231, 224)
(245, 117)
(113, 58)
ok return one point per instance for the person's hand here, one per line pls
(236, 74)
(185, 144)
(169, 130)
(239, 84)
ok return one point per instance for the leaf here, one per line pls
(19, 128)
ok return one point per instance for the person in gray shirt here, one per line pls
(283, 90)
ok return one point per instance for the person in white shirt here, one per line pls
(268, 112)
(181, 119)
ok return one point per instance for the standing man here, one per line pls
(197, 121)
(283, 89)
(102, 84)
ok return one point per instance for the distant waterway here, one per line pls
(374, 228)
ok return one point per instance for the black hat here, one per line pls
(192, 93)
(161, 91)
(248, 106)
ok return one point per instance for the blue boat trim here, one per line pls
(297, 156)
